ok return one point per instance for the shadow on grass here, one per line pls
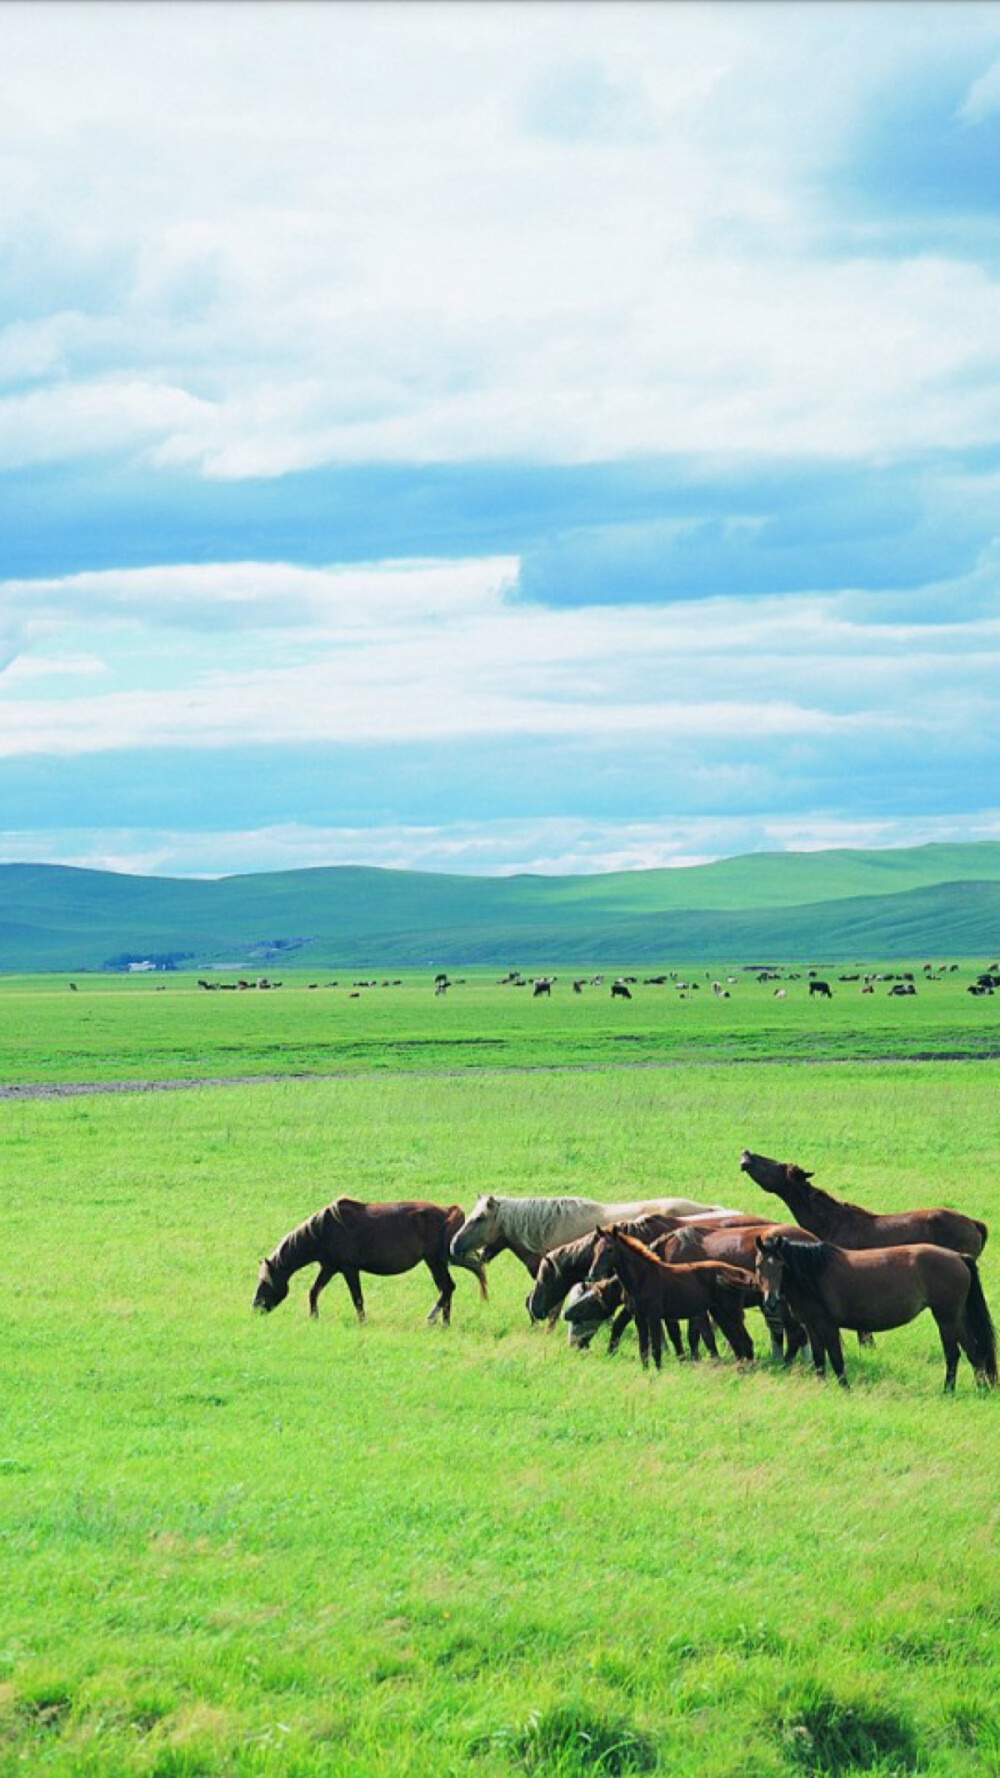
(572, 1742)
(830, 1736)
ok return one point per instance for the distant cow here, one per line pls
(620, 991)
(902, 988)
(823, 989)
(543, 985)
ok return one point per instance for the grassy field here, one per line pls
(236, 1545)
(127, 1028)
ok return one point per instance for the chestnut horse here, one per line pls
(829, 1287)
(590, 1305)
(351, 1237)
(848, 1225)
(737, 1246)
(656, 1292)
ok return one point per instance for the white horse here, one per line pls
(532, 1227)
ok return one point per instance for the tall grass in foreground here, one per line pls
(247, 1546)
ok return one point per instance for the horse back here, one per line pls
(385, 1237)
(937, 1227)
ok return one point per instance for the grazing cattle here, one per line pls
(823, 989)
(620, 991)
(902, 988)
(829, 1287)
(531, 1227)
(441, 984)
(351, 1237)
(849, 1225)
(657, 1292)
(542, 985)
(781, 993)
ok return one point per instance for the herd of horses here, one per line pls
(675, 1264)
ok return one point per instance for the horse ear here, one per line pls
(759, 1243)
(806, 1175)
(491, 1201)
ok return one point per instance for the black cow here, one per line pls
(823, 989)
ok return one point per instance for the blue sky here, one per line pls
(555, 437)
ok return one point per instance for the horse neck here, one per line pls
(632, 1266)
(298, 1248)
(811, 1208)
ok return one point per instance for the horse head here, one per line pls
(602, 1263)
(479, 1228)
(272, 1288)
(771, 1176)
(770, 1251)
(538, 1302)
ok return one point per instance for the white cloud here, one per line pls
(356, 233)
(421, 651)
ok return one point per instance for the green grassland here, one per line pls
(128, 1028)
(922, 900)
(241, 1545)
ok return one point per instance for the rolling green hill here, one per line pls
(928, 901)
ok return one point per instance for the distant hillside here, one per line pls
(929, 901)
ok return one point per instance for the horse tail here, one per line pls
(978, 1328)
(454, 1220)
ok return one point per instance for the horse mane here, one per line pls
(286, 1256)
(533, 1220)
(632, 1242)
(805, 1260)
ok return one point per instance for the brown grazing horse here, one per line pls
(657, 1292)
(604, 1300)
(829, 1287)
(738, 1247)
(351, 1238)
(571, 1263)
(848, 1225)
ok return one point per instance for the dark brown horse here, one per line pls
(829, 1287)
(848, 1225)
(351, 1237)
(657, 1292)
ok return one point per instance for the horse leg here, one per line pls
(352, 1279)
(795, 1338)
(642, 1329)
(775, 1323)
(319, 1283)
(446, 1285)
(817, 1349)
(674, 1334)
(952, 1342)
(730, 1319)
(700, 1329)
(618, 1327)
(656, 1339)
(831, 1340)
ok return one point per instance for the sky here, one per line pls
(500, 437)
